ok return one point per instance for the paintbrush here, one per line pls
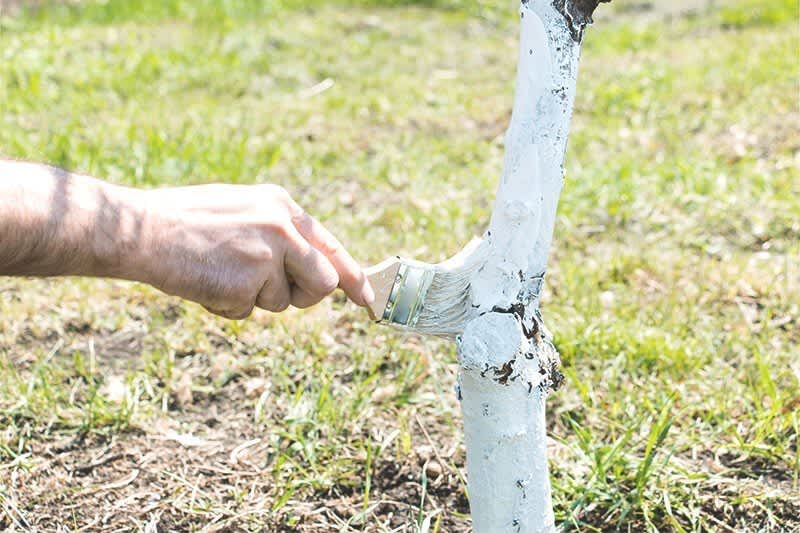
(428, 298)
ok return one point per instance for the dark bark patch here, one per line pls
(516, 309)
(554, 377)
(503, 373)
(578, 14)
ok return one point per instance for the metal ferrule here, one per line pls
(408, 294)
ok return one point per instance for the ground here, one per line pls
(672, 290)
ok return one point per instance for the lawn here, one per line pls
(673, 289)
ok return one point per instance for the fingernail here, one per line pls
(367, 294)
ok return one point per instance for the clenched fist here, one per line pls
(233, 247)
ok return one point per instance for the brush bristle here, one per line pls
(448, 304)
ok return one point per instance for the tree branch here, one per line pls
(578, 14)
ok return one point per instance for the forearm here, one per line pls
(55, 223)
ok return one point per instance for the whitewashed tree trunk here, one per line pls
(507, 361)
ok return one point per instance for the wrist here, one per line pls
(119, 246)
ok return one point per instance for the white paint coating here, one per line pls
(509, 489)
(522, 223)
(504, 372)
(490, 340)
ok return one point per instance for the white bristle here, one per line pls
(448, 303)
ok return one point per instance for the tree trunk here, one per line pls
(507, 361)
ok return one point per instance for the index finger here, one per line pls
(352, 279)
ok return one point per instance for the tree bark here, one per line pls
(506, 358)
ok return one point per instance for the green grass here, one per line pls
(672, 290)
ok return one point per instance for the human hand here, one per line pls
(231, 248)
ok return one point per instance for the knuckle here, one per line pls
(231, 313)
(299, 216)
(273, 299)
(305, 303)
(213, 310)
(240, 314)
(275, 304)
(279, 193)
(330, 247)
(281, 304)
(265, 255)
(328, 283)
(280, 227)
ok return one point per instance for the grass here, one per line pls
(673, 283)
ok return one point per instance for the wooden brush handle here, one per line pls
(382, 277)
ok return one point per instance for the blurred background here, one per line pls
(673, 290)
